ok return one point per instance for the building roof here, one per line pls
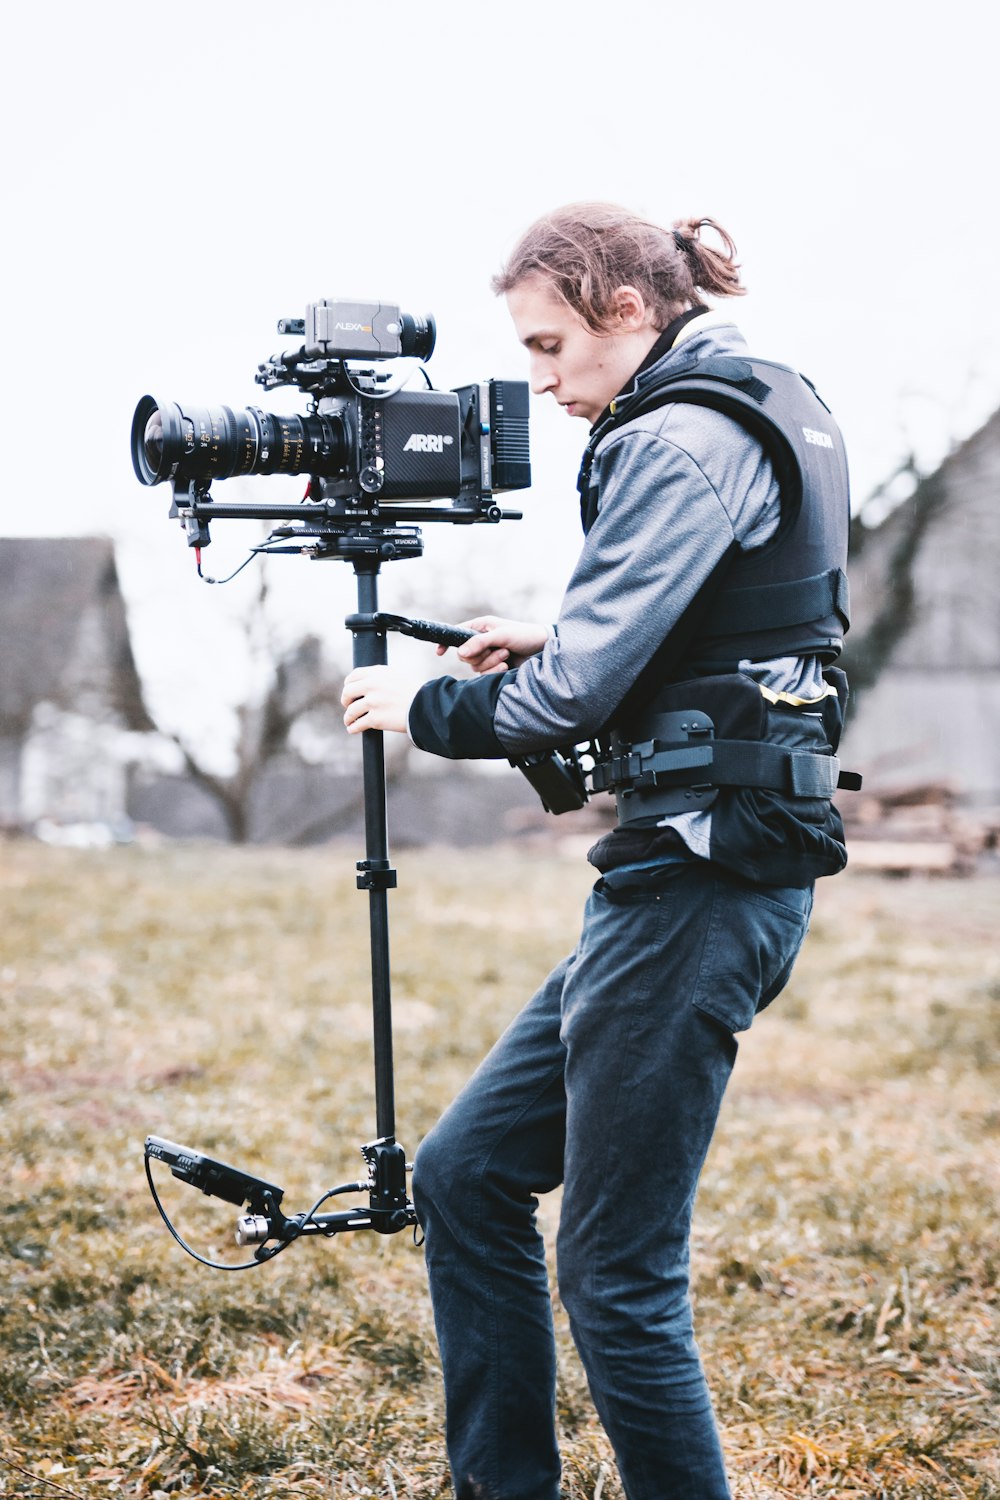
(64, 632)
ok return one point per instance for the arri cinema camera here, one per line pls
(366, 441)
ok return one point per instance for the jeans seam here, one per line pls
(481, 1171)
(661, 914)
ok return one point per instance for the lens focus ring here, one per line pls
(215, 442)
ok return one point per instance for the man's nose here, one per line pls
(543, 376)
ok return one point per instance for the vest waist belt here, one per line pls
(800, 773)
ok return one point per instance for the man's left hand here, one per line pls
(376, 697)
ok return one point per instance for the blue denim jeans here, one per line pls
(609, 1082)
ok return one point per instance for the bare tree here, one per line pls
(294, 715)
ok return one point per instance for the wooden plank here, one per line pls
(893, 854)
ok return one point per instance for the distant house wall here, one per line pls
(929, 726)
(926, 616)
(72, 770)
(69, 689)
(10, 777)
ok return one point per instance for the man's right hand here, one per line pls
(500, 644)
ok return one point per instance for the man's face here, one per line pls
(583, 370)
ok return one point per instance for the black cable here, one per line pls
(204, 576)
(261, 551)
(383, 395)
(215, 1265)
(345, 1187)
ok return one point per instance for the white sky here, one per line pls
(180, 176)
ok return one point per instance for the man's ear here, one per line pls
(630, 307)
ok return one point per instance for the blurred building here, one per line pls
(69, 691)
(76, 739)
(924, 648)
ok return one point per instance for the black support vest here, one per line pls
(693, 732)
(789, 597)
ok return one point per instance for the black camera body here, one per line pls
(364, 441)
(465, 444)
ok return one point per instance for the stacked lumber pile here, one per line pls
(917, 829)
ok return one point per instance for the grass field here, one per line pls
(846, 1247)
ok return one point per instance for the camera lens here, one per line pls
(417, 336)
(214, 442)
(152, 441)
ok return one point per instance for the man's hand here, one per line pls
(376, 697)
(499, 644)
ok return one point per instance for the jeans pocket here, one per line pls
(635, 887)
(750, 948)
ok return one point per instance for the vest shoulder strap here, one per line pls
(730, 384)
(753, 606)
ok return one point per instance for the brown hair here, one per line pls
(588, 250)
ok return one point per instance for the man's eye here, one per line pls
(550, 348)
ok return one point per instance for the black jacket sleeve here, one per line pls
(455, 719)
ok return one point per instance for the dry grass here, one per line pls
(846, 1248)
